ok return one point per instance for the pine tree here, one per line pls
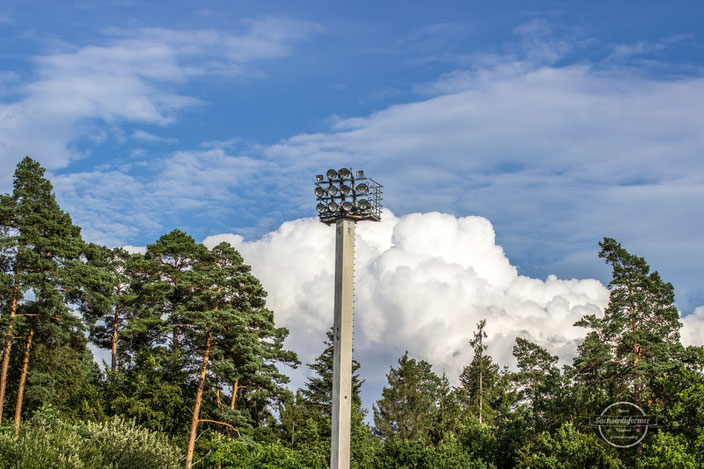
(481, 377)
(539, 383)
(255, 352)
(318, 390)
(306, 421)
(636, 342)
(449, 412)
(107, 298)
(215, 310)
(40, 246)
(165, 288)
(408, 402)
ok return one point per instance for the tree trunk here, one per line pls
(636, 401)
(114, 339)
(199, 397)
(23, 379)
(235, 388)
(481, 396)
(8, 347)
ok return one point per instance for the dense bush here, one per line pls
(397, 454)
(666, 450)
(567, 449)
(240, 453)
(45, 441)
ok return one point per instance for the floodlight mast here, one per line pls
(344, 199)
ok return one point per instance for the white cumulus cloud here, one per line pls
(693, 327)
(422, 282)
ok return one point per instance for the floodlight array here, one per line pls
(344, 194)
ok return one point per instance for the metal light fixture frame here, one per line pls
(334, 179)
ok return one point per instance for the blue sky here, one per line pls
(558, 122)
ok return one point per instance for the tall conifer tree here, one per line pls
(637, 340)
(318, 390)
(408, 402)
(41, 245)
(480, 379)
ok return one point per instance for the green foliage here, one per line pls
(404, 454)
(318, 390)
(39, 253)
(106, 295)
(447, 415)
(305, 421)
(513, 428)
(478, 439)
(666, 450)
(246, 454)
(408, 402)
(685, 411)
(152, 391)
(121, 444)
(65, 377)
(567, 449)
(539, 384)
(46, 441)
(482, 386)
(635, 344)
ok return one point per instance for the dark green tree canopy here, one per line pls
(408, 401)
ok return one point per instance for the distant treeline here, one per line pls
(195, 357)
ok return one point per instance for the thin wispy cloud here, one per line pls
(147, 137)
(133, 77)
(569, 153)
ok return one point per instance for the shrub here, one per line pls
(122, 444)
(567, 449)
(45, 441)
(666, 450)
(244, 454)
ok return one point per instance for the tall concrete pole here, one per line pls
(342, 345)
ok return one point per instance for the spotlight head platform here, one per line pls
(347, 194)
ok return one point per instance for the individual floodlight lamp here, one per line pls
(363, 204)
(318, 177)
(321, 208)
(344, 173)
(347, 206)
(344, 189)
(362, 189)
(319, 191)
(331, 174)
(360, 173)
